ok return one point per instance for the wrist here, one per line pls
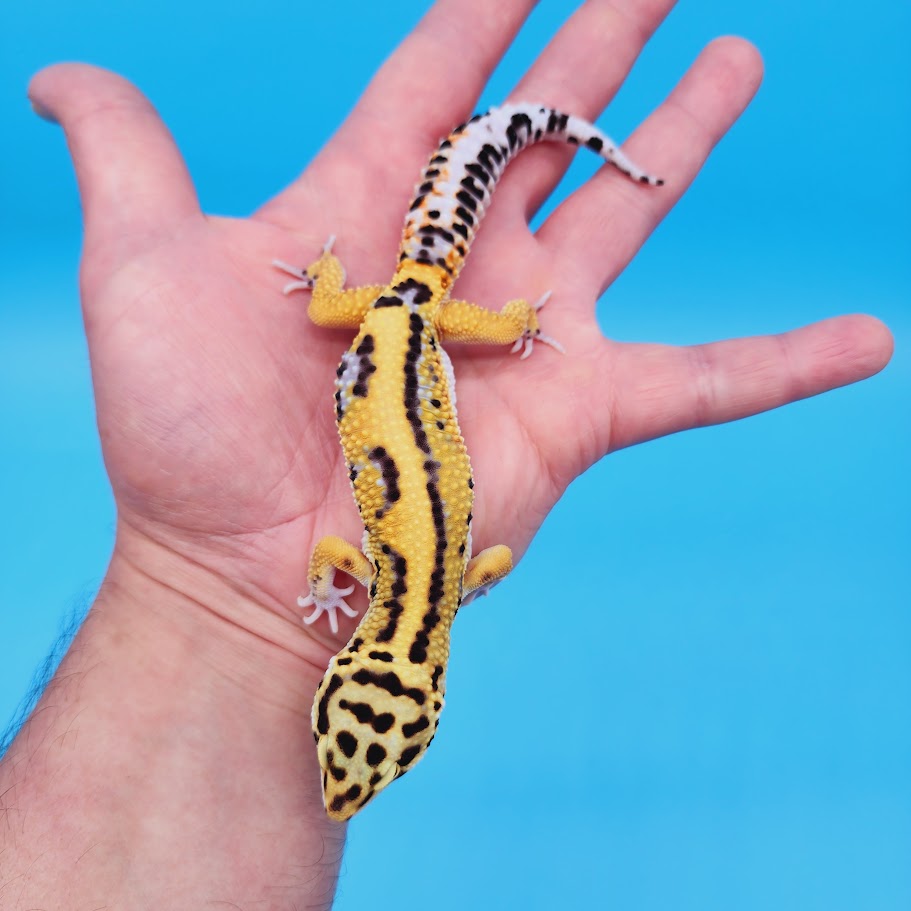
(203, 606)
(171, 738)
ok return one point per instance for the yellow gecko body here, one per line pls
(378, 706)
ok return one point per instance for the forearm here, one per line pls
(169, 764)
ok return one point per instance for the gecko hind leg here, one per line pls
(484, 571)
(331, 554)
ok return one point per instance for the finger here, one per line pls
(132, 180)
(602, 225)
(659, 389)
(430, 83)
(579, 72)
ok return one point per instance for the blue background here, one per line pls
(712, 707)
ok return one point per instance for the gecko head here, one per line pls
(370, 729)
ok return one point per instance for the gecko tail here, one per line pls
(457, 185)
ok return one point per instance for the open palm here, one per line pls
(214, 391)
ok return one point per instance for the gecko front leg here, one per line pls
(332, 306)
(516, 324)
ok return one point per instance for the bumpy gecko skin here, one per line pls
(378, 707)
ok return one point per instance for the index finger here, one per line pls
(430, 83)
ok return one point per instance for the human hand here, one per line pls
(214, 393)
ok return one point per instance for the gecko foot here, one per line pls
(526, 342)
(304, 281)
(327, 599)
(481, 592)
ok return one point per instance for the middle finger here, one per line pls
(578, 72)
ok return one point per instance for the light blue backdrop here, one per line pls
(713, 709)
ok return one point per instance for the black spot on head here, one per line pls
(341, 799)
(341, 662)
(347, 743)
(380, 656)
(414, 727)
(387, 301)
(322, 722)
(408, 755)
(383, 721)
(365, 715)
(375, 754)
(390, 682)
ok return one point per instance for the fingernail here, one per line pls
(43, 112)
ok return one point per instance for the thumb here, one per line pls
(132, 180)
